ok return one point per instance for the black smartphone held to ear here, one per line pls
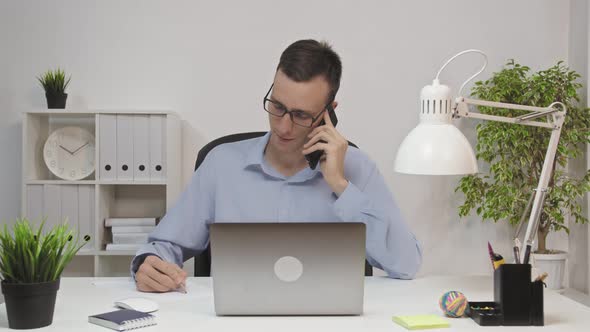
(314, 158)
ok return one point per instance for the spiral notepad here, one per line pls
(123, 320)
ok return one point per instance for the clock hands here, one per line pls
(70, 152)
(78, 149)
(74, 152)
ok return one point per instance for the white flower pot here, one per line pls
(554, 265)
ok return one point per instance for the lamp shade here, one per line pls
(436, 146)
(435, 149)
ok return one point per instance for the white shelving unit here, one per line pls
(96, 198)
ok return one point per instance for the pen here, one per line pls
(496, 259)
(516, 251)
(182, 288)
(527, 254)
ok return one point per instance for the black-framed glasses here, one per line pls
(298, 117)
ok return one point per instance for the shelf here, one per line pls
(133, 183)
(116, 252)
(60, 112)
(126, 183)
(75, 111)
(87, 202)
(60, 182)
(103, 252)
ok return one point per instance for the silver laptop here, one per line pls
(288, 268)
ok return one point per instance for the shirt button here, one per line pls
(283, 203)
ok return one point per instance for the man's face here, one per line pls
(310, 97)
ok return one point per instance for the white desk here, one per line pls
(80, 297)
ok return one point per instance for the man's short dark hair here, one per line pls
(305, 59)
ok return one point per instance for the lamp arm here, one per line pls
(556, 124)
(461, 109)
(532, 227)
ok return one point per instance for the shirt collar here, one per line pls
(255, 153)
(255, 160)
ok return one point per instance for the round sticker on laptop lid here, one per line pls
(288, 269)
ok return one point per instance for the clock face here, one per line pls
(69, 153)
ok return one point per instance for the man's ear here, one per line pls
(334, 104)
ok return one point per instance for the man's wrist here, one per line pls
(340, 186)
(138, 260)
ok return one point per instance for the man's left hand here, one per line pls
(334, 147)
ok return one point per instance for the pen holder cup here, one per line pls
(517, 300)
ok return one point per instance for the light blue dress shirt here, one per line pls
(236, 184)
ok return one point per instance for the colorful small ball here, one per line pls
(453, 304)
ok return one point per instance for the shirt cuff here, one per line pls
(163, 250)
(350, 203)
(137, 261)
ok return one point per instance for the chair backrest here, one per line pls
(203, 260)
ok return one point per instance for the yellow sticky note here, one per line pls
(421, 322)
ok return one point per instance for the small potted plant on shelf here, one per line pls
(515, 155)
(31, 263)
(55, 84)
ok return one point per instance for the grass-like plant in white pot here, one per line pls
(54, 83)
(31, 263)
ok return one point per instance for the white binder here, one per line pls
(130, 238)
(115, 247)
(51, 206)
(86, 214)
(124, 147)
(69, 204)
(110, 222)
(132, 229)
(141, 154)
(108, 147)
(157, 146)
(35, 203)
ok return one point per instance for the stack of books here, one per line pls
(129, 233)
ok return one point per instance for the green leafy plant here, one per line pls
(515, 153)
(27, 255)
(54, 82)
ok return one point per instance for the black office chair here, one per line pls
(203, 260)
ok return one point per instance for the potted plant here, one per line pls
(31, 263)
(515, 155)
(55, 84)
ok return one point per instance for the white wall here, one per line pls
(578, 60)
(212, 61)
(588, 165)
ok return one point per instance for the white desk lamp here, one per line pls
(437, 147)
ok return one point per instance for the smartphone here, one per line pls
(314, 158)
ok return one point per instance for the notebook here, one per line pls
(123, 320)
(421, 322)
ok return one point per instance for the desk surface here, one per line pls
(79, 298)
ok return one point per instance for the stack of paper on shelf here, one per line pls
(129, 233)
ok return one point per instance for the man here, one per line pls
(268, 179)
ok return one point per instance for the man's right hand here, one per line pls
(156, 275)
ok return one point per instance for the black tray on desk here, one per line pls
(479, 312)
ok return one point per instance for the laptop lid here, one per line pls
(288, 268)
